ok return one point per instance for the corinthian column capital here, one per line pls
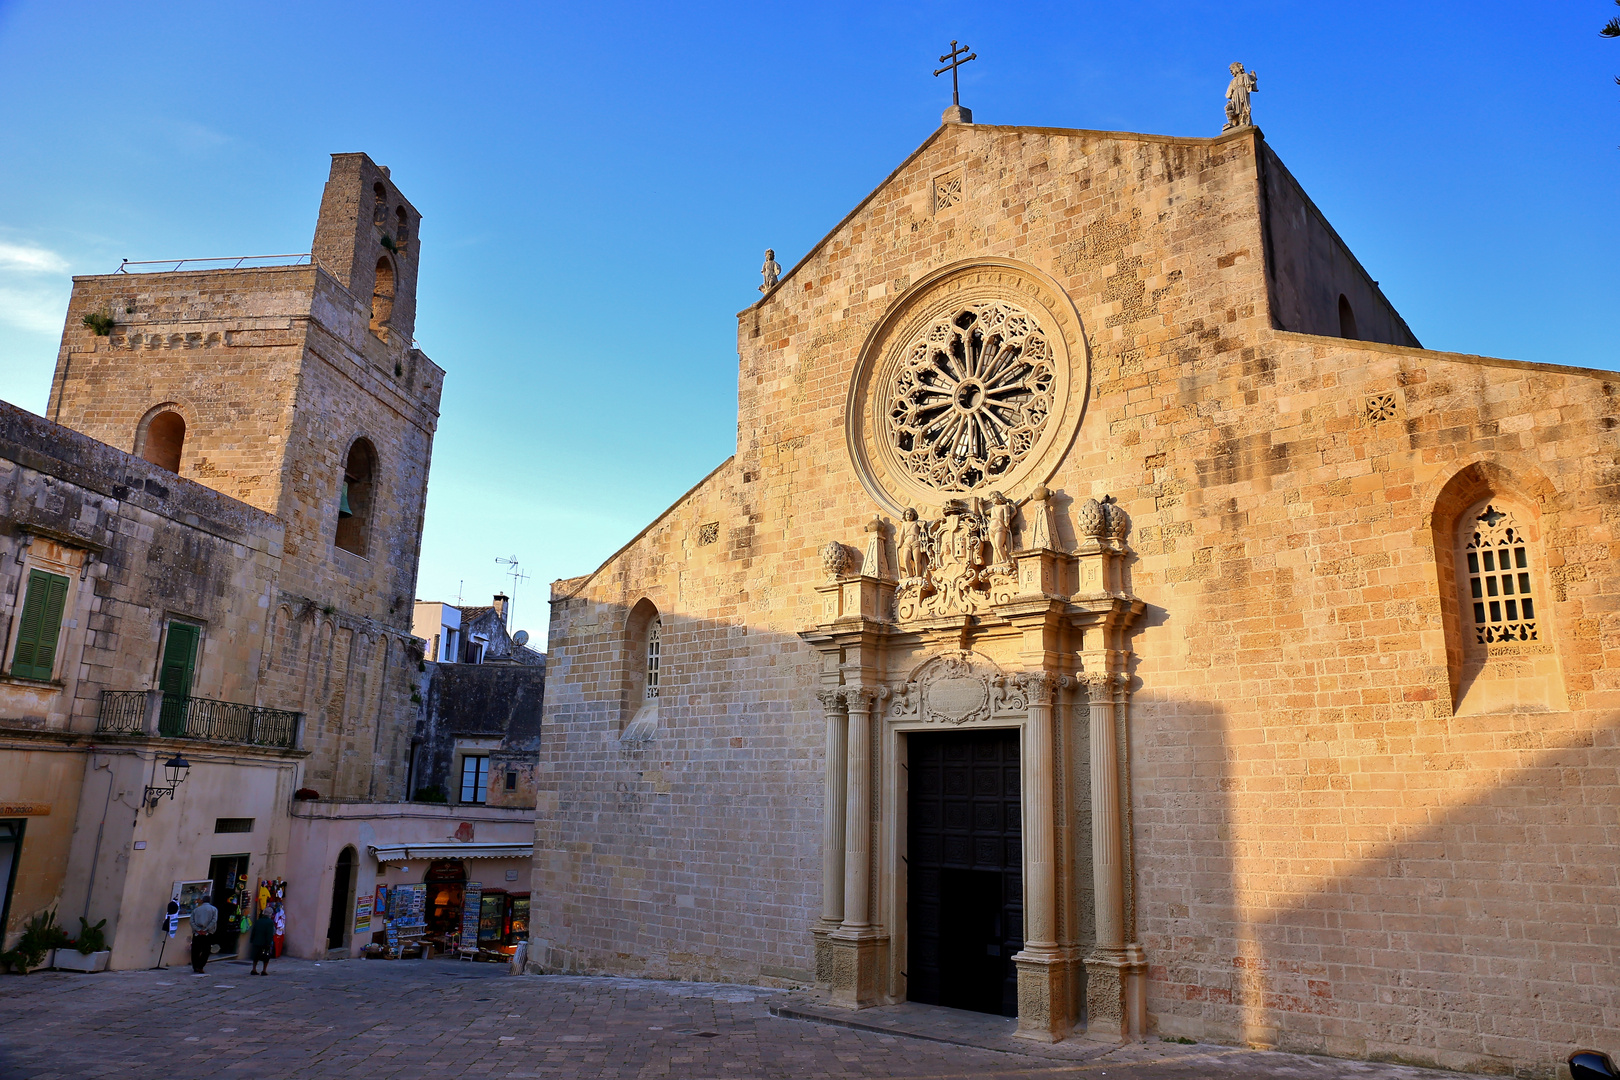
(831, 700)
(1038, 686)
(864, 697)
(1096, 682)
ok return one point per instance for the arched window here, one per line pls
(654, 645)
(645, 674)
(1347, 319)
(382, 298)
(162, 438)
(379, 212)
(402, 226)
(356, 498)
(1500, 649)
(1501, 595)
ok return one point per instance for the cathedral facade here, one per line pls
(1113, 617)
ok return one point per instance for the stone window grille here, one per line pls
(654, 647)
(1502, 597)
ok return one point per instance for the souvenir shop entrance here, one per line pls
(229, 873)
(447, 914)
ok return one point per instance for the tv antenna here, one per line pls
(517, 576)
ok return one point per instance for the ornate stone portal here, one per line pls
(962, 636)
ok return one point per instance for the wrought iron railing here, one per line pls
(173, 716)
(227, 262)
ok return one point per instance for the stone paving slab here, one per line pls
(443, 1019)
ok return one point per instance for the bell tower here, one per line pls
(296, 388)
(366, 237)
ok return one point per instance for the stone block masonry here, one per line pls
(278, 375)
(1356, 820)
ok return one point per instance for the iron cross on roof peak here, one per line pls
(956, 58)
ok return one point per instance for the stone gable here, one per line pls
(1346, 823)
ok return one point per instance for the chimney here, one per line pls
(501, 600)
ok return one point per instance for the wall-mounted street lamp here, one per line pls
(174, 771)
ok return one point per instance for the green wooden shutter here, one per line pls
(40, 625)
(174, 676)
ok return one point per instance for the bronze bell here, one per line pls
(343, 502)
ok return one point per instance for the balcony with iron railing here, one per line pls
(174, 716)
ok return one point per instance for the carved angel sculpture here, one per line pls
(1238, 111)
(911, 546)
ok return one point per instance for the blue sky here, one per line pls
(598, 182)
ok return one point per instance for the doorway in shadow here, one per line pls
(965, 887)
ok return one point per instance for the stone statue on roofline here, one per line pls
(1239, 113)
(771, 272)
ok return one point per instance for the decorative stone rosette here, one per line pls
(975, 380)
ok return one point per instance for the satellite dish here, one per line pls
(521, 637)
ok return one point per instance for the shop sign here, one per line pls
(362, 914)
(25, 809)
(446, 872)
(469, 914)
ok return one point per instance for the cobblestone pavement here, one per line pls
(440, 1020)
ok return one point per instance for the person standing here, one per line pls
(204, 921)
(261, 943)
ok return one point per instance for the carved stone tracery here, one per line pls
(970, 397)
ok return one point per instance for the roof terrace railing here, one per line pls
(229, 262)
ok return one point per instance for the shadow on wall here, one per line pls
(1430, 892)
(690, 849)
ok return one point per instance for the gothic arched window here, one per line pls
(645, 673)
(1501, 593)
(655, 644)
(1500, 649)
(1347, 319)
(379, 212)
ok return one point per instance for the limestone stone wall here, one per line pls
(221, 348)
(138, 546)
(1311, 267)
(278, 373)
(1350, 829)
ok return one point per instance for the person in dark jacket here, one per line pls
(262, 943)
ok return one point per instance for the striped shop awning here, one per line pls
(387, 853)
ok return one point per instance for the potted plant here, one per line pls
(37, 946)
(89, 953)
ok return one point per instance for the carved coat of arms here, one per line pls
(958, 688)
(958, 563)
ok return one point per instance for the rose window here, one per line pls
(968, 400)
